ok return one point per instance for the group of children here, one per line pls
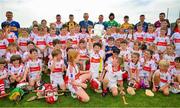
(77, 57)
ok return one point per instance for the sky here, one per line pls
(25, 11)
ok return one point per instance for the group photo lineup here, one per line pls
(75, 56)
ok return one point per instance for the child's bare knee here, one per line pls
(86, 99)
(166, 93)
(115, 93)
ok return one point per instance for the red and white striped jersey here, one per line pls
(34, 66)
(3, 46)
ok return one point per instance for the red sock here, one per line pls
(2, 86)
(105, 90)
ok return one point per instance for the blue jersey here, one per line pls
(14, 24)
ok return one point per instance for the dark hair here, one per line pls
(43, 20)
(55, 42)
(15, 57)
(9, 12)
(162, 13)
(33, 50)
(143, 47)
(71, 15)
(175, 25)
(58, 15)
(97, 44)
(111, 14)
(124, 42)
(2, 61)
(111, 38)
(177, 59)
(126, 17)
(30, 42)
(116, 51)
(82, 41)
(35, 26)
(101, 15)
(142, 15)
(150, 51)
(56, 52)
(5, 24)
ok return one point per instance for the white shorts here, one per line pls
(94, 69)
(74, 89)
(56, 79)
(34, 75)
(111, 85)
(144, 73)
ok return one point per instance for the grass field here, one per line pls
(96, 100)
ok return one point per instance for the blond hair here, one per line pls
(72, 55)
(164, 63)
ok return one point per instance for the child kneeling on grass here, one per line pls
(162, 78)
(33, 69)
(113, 77)
(175, 72)
(75, 78)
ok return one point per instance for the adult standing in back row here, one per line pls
(14, 25)
(86, 22)
(111, 21)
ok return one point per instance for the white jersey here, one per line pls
(3, 47)
(170, 58)
(174, 72)
(58, 66)
(84, 36)
(95, 60)
(113, 76)
(134, 67)
(40, 41)
(139, 36)
(12, 70)
(50, 39)
(22, 42)
(120, 36)
(63, 39)
(149, 38)
(9, 54)
(126, 54)
(176, 40)
(59, 25)
(32, 36)
(161, 43)
(165, 78)
(72, 73)
(75, 39)
(3, 72)
(147, 67)
(11, 37)
(34, 66)
(156, 57)
(159, 29)
(83, 53)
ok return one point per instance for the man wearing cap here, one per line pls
(13, 24)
